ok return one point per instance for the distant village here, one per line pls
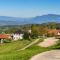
(18, 35)
(34, 31)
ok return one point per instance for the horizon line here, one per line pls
(27, 17)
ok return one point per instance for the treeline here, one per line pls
(36, 29)
(12, 28)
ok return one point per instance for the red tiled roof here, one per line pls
(55, 31)
(4, 36)
(52, 31)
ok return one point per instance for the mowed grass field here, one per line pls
(9, 51)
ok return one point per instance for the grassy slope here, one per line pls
(9, 51)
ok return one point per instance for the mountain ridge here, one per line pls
(6, 20)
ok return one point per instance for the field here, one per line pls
(9, 51)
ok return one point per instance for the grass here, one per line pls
(9, 51)
(13, 46)
(57, 45)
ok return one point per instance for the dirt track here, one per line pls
(48, 42)
(49, 55)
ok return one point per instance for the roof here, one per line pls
(4, 36)
(52, 31)
(55, 31)
(18, 32)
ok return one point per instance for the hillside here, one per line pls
(5, 20)
(10, 51)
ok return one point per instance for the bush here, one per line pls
(7, 40)
(26, 35)
(57, 46)
(50, 35)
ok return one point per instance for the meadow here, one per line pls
(11, 51)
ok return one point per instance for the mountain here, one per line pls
(46, 18)
(5, 20)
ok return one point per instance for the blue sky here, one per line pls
(29, 8)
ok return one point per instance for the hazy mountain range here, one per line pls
(5, 20)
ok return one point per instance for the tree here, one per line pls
(26, 35)
(43, 30)
(52, 25)
(35, 30)
(39, 30)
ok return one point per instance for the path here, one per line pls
(48, 42)
(49, 55)
(30, 44)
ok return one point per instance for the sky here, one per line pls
(29, 8)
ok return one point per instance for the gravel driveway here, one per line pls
(49, 55)
(48, 42)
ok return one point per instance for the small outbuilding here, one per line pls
(4, 36)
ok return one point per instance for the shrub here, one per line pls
(7, 40)
(26, 35)
(57, 46)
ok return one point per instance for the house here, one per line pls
(4, 36)
(55, 32)
(17, 35)
(58, 34)
(52, 31)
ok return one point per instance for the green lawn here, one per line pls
(9, 51)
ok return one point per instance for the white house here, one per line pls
(17, 36)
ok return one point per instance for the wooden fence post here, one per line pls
(1, 41)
